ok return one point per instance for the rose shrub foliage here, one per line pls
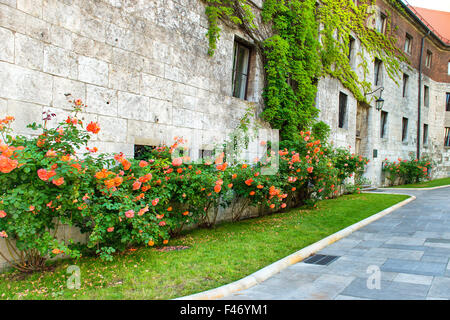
(406, 171)
(54, 179)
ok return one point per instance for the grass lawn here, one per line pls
(216, 256)
(427, 184)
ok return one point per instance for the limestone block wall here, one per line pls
(141, 67)
(390, 147)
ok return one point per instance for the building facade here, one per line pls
(142, 68)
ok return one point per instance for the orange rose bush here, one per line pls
(41, 183)
(405, 171)
(119, 202)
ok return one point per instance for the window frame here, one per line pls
(383, 23)
(237, 45)
(429, 59)
(351, 43)
(405, 85)
(377, 71)
(342, 112)
(447, 137)
(447, 100)
(405, 129)
(383, 124)
(426, 96)
(425, 134)
(408, 49)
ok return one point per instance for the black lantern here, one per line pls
(379, 103)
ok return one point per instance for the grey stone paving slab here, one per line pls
(389, 290)
(404, 247)
(414, 267)
(437, 245)
(434, 258)
(440, 288)
(325, 287)
(406, 241)
(413, 278)
(398, 253)
(410, 246)
(367, 244)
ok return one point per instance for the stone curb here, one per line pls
(274, 268)
(431, 188)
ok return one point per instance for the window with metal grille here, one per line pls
(404, 129)
(447, 104)
(205, 154)
(142, 152)
(425, 134)
(428, 59)
(342, 110)
(405, 84)
(447, 137)
(383, 124)
(426, 96)
(377, 72)
(241, 67)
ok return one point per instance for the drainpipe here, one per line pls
(420, 95)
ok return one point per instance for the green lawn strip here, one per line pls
(216, 256)
(426, 184)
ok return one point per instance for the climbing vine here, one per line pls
(300, 42)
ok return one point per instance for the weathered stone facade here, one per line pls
(143, 70)
(140, 66)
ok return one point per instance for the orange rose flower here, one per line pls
(7, 165)
(143, 163)
(58, 181)
(93, 127)
(137, 185)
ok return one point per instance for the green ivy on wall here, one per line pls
(307, 41)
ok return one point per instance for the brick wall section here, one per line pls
(401, 25)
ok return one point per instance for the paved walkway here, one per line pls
(410, 247)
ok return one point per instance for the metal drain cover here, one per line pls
(320, 259)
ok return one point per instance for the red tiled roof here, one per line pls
(438, 20)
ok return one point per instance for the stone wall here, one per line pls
(392, 147)
(141, 67)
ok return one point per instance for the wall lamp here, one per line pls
(379, 103)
